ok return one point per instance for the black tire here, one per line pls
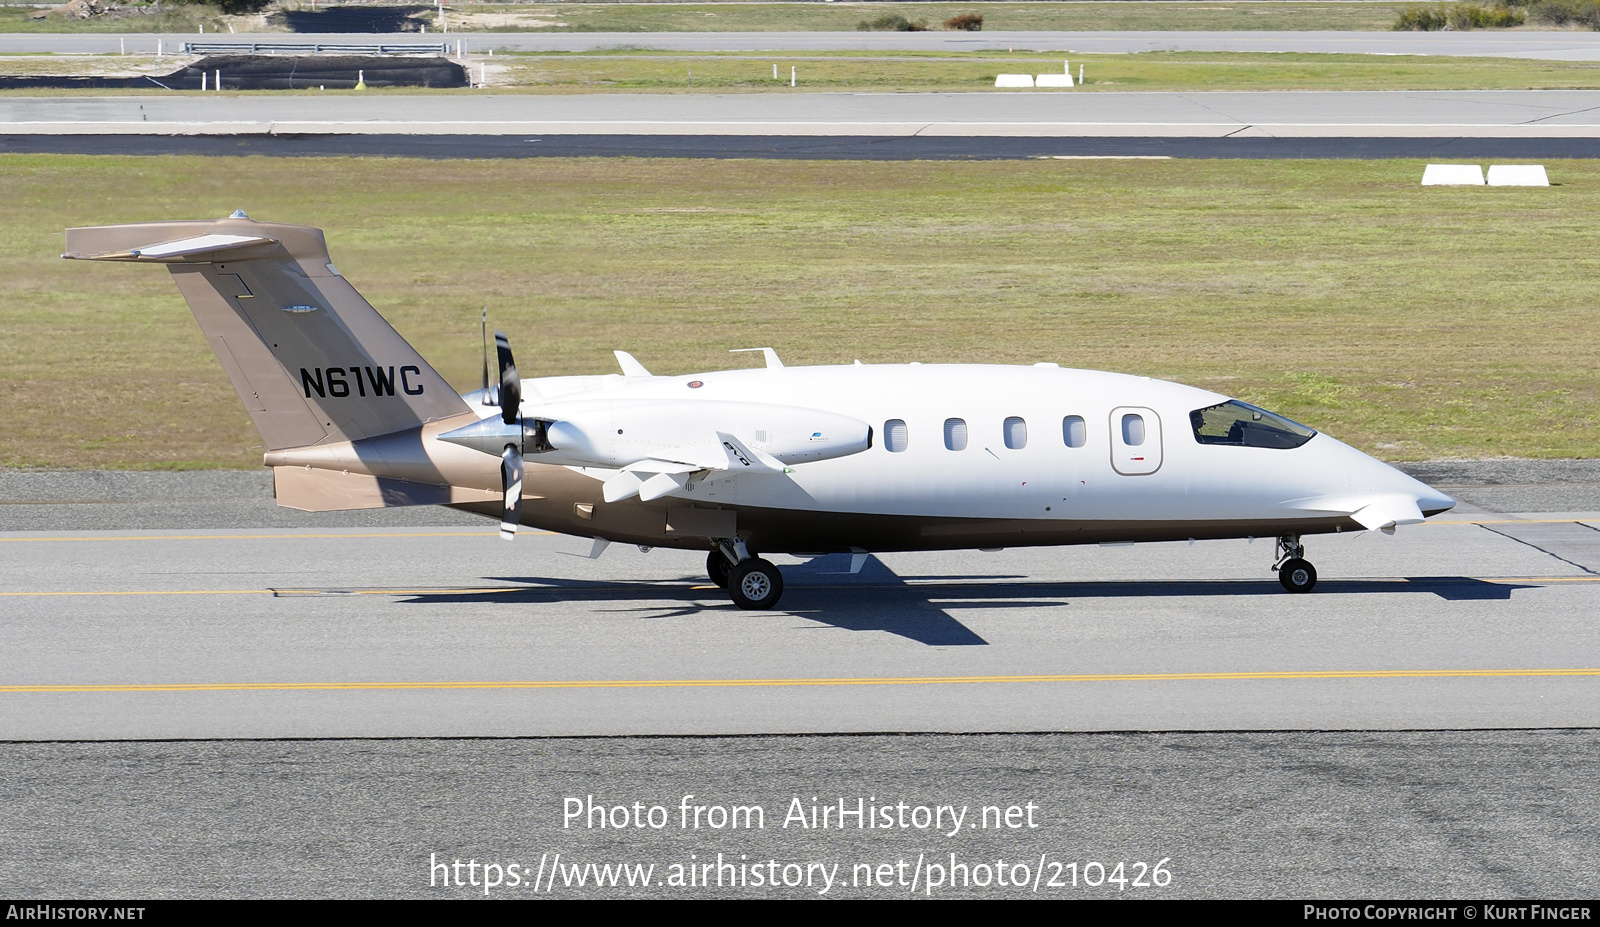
(1298, 575)
(717, 567)
(755, 584)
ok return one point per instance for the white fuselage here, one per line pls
(1007, 470)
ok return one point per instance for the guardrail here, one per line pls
(269, 48)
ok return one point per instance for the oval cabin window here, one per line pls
(1132, 430)
(894, 435)
(1073, 431)
(1016, 433)
(955, 434)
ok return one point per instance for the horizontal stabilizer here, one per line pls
(318, 490)
(167, 252)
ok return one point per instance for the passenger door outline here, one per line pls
(1136, 460)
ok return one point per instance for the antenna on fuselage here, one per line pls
(489, 399)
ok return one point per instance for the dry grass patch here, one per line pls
(1412, 322)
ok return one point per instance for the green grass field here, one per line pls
(1181, 71)
(1413, 322)
(1090, 15)
(635, 72)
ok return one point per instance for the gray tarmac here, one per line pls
(1500, 114)
(1553, 45)
(813, 147)
(1412, 815)
(170, 621)
(1246, 781)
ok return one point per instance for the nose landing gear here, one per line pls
(1294, 571)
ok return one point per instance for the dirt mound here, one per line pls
(377, 19)
(278, 72)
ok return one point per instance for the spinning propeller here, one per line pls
(511, 454)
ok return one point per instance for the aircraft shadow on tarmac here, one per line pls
(919, 607)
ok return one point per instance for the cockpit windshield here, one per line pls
(1243, 425)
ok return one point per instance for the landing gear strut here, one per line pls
(753, 584)
(1294, 571)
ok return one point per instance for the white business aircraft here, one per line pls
(804, 460)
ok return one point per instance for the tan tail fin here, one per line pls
(312, 360)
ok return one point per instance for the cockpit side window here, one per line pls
(1243, 425)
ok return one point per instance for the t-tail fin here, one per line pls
(312, 360)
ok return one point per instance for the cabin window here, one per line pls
(1243, 425)
(955, 434)
(1016, 433)
(894, 435)
(1074, 432)
(1132, 429)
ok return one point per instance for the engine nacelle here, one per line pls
(606, 433)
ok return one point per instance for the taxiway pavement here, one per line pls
(1475, 620)
(196, 609)
(1531, 114)
(797, 147)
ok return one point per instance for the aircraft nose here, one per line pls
(1434, 502)
(1431, 501)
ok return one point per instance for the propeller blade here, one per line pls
(511, 482)
(510, 383)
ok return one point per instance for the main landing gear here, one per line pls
(753, 584)
(1295, 572)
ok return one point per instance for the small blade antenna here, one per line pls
(484, 323)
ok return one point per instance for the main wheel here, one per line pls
(717, 567)
(755, 584)
(1298, 575)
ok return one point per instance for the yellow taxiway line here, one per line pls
(1517, 521)
(798, 682)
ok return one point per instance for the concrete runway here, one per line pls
(1545, 114)
(1554, 45)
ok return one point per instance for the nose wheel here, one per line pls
(1295, 572)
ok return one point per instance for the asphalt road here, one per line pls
(834, 147)
(1543, 114)
(1432, 815)
(1556, 45)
